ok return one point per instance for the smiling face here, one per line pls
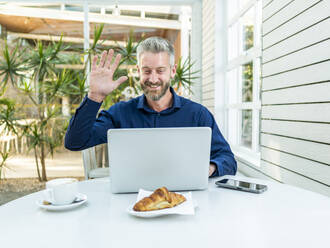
(155, 74)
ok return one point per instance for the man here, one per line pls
(159, 106)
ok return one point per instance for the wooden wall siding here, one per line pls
(295, 24)
(312, 74)
(248, 170)
(295, 115)
(208, 54)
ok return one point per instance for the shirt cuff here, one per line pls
(90, 104)
(219, 169)
(86, 108)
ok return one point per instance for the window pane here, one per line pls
(247, 25)
(233, 122)
(233, 41)
(247, 82)
(232, 86)
(246, 135)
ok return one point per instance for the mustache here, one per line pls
(148, 83)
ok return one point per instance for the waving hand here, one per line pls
(101, 76)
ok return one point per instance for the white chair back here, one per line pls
(95, 161)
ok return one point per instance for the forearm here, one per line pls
(225, 163)
(79, 134)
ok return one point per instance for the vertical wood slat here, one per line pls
(208, 54)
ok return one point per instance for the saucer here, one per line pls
(80, 199)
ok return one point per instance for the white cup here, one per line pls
(61, 191)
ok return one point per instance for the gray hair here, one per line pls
(156, 45)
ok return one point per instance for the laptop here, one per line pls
(150, 158)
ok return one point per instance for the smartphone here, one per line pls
(241, 185)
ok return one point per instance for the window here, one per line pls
(243, 77)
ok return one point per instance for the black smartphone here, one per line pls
(241, 185)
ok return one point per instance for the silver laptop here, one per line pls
(149, 158)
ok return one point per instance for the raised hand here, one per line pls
(101, 77)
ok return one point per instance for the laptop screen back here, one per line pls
(149, 158)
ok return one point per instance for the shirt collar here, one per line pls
(142, 102)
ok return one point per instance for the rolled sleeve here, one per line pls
(221, 154)
(80, 132)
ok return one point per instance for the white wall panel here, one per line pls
(207, 87)
(306, 75)
(301, 94)
(311, 169)
(318, 112)
(309, 17)
(274, 7)
(266, 3)
(319, 132)
(319, 52)
(286, 14)
(208, 54)
(303, 39)
(252, 171)
(295, 126)
(307, 149)
(292, 178)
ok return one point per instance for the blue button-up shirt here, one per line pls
(85, 130)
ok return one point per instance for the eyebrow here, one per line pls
(161, 67)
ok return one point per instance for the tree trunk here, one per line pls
(36, 158)
(43, 164)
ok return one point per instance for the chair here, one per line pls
(95, 161)
(8, 140)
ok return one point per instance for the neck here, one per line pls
(165, 102)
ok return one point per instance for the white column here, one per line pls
(86, 39)
(196, 48)
(220, 67)
(185, 30)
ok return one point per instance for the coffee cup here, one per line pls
(61, 191)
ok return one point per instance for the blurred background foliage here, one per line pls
(42, 83)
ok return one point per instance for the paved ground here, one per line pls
(21, 175)
(63, 164)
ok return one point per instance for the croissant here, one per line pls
(161, 198)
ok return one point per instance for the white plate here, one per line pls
(185, 208)
(148, 214)
(81, 198)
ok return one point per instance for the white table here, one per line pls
(283, 216)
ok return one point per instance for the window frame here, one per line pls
(234, 64)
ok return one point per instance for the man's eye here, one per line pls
(160, 71)
(146, 72)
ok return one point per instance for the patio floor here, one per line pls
(63, 164)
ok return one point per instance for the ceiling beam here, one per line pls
(93, 17)
(64, 39)
(82, 66)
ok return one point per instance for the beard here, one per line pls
(153, 94)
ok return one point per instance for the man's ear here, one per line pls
(173, 71)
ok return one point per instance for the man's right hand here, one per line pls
(101, 77)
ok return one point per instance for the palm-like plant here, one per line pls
(184, 76)
(7, 125)
(35, 74)
(11, 66)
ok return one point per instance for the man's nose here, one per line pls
(153, 77)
